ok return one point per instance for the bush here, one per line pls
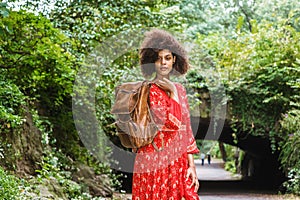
(9, 186)
(11, 102)
(230, 166)
(289, 156)
(293, 184)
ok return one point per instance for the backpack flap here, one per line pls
(126, 98)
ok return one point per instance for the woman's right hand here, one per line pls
(169, 87)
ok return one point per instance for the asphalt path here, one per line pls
(214, 171)
(219, 184)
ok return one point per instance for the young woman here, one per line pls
(165, 169)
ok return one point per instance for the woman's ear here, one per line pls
(174, 59)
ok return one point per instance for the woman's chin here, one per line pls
(164, 73)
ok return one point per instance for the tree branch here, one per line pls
(247, 18)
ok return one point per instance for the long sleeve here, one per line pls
(191, 142)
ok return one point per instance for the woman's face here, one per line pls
(164, 63)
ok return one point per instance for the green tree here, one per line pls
(259, 71)
(44, 49)
(226, 15)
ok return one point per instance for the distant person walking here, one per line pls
(202, 155)
(208, 158)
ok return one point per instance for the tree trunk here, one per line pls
(23, 149)
(223, 151)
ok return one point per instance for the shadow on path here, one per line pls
(218, 184)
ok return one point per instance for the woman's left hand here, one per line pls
(191, 173)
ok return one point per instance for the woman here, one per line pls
(165, 169)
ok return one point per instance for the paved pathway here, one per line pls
(214, 171)
(245, 197)
(219, 184)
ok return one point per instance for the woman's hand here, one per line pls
(169, 87)
(191, 173)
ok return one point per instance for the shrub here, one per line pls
(9, 186)
(289, 156)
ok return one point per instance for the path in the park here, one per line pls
(219, 184)
(214, 171)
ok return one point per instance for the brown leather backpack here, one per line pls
(134, 122)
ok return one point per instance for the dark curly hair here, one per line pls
(156, 40)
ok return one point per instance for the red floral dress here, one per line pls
(160, 168)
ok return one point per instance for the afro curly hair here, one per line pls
(155, 41)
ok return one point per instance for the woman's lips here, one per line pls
(163, 68)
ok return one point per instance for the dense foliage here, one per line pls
(224, 16)
(39, 61)
(290, 149)
(261, 73)
(10, 186)
(249, 50)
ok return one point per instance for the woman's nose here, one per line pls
(163, 61)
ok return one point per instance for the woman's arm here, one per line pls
(191, 172)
